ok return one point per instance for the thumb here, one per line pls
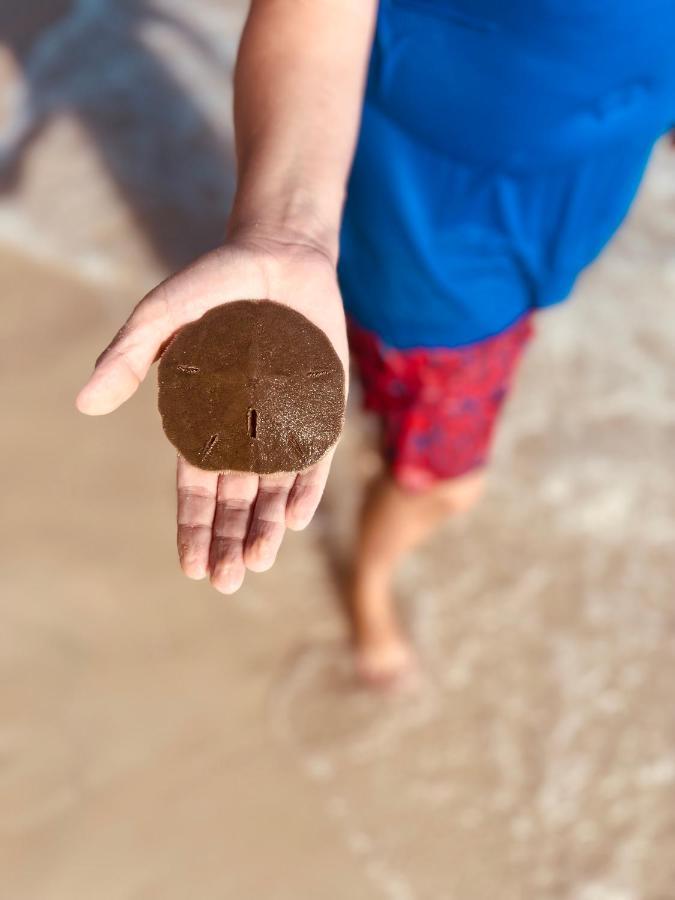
(126, 360)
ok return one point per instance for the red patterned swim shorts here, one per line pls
(438, 406)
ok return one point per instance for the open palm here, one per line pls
(227, 522)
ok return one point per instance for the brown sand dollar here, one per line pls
(252, 386)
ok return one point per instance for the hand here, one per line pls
(227, 522)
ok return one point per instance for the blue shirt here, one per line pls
(501, 145)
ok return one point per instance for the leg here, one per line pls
(394, 521)
(437, 409)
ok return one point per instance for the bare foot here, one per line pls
(384, 657)
(385, 661)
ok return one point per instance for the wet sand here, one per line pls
(158, 740)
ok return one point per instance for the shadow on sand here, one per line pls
(90, 60)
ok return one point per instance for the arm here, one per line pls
(298, 87)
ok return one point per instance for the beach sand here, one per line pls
(159, 741)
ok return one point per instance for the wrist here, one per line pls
(293, 218)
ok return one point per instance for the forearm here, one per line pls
(298, 90)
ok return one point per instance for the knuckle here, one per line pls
(264, 531)
(225, 551)
(233, 504)
(230, 524)
(189, 491)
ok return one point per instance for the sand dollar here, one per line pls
(252, 386)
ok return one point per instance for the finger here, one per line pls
(196, 508)
(236, 493)
(268, 522)
(306, 493)
(125, 361)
